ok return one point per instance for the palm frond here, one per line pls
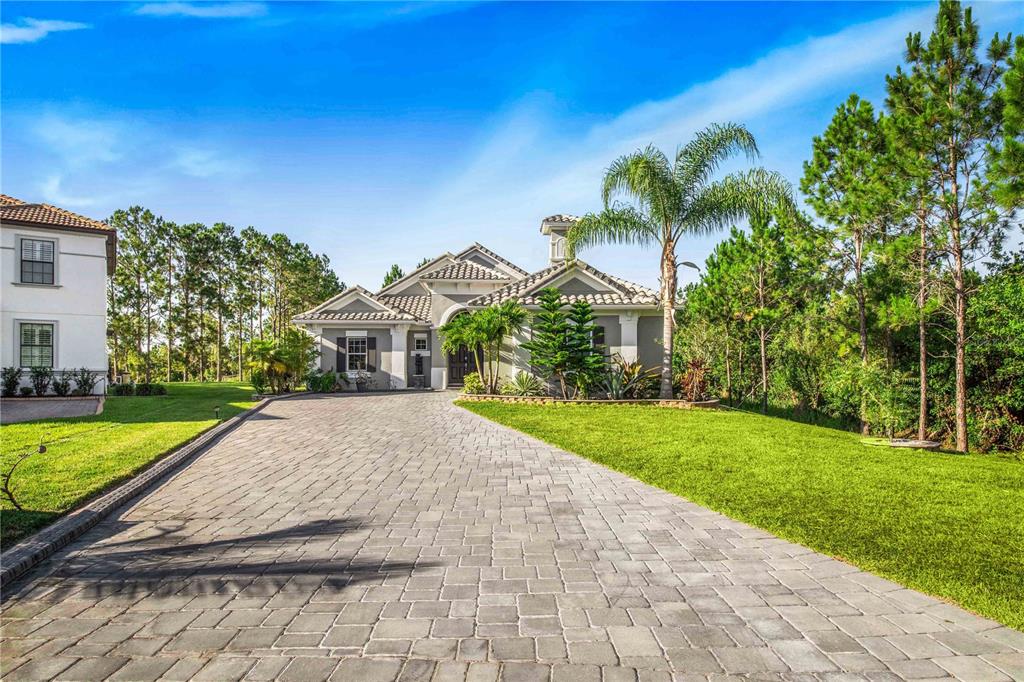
(646, 177)
(701, 157)
(756, 192)
(617, 224)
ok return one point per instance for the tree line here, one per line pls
(187, 301)
(898, 306)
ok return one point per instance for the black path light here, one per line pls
(216, 412)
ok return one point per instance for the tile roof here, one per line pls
(399, 309)
(623, 293)
(466, 270)
(561, 218)
(417, 306)
(483, 249)
(15, 210)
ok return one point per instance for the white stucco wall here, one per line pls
(76, 304)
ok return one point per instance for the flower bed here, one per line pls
(547, 400)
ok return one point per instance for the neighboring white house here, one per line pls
(392, 333)
(54, 267)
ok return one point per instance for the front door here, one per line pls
(460, 364)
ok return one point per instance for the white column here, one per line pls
(399, 355)
(628, 340)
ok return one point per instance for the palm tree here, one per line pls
(670, 200)
(484, 329)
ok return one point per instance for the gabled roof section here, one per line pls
(386, 308)
(477, 246)
(619, 292)
(466, 271)
(445, 258)
(44, 215)
(417, 306)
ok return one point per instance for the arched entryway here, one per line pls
(462, 362)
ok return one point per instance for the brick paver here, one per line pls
(399, 537)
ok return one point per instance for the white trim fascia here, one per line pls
(503, 264)
(572, 270)
(417, 272)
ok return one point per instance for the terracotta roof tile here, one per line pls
(13, 210)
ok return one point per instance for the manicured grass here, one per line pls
(949, 525)
(87, 455)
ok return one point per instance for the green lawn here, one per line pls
(949, 525)
(87, 455)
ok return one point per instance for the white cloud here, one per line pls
(80, 142)
(205, 163)
(199, 10)
(33, 30)
(52, 191)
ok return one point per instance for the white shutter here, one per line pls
(37, 250)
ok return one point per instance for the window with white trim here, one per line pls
(419, 343)
(37, 261)
(36, 346)
(356, 353)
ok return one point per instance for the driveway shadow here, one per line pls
(268, 563)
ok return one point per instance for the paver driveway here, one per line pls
(367, 537)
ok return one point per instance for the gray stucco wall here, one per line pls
(329, 353)
(612, 331)
(649, 345)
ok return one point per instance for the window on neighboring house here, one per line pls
(419, 344)
(356, 353)
(598, 336)
(418, 366)
(36, 344)
(37, 260)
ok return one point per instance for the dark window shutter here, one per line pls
(598, 336)
(339, 362)
(371, 353)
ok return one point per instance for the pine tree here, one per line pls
(1007, 164)
(848, 183)
(959, 91)
(549, 352)
(586, 361)
(392, 276)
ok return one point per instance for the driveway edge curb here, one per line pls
(29, 553)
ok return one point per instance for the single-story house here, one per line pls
(55, 265)
(392, 334)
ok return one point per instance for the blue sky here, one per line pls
(383, 133)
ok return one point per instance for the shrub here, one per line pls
(85, 380)
(524, 384)
(258, 379)
(692, 383)
(25, 391)
(122, 389)
(473, 384)
(328, 382)
(312, 380)
(629, 380)
(11, 378)
(150, 389)
(62, 383)
(41, 378)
